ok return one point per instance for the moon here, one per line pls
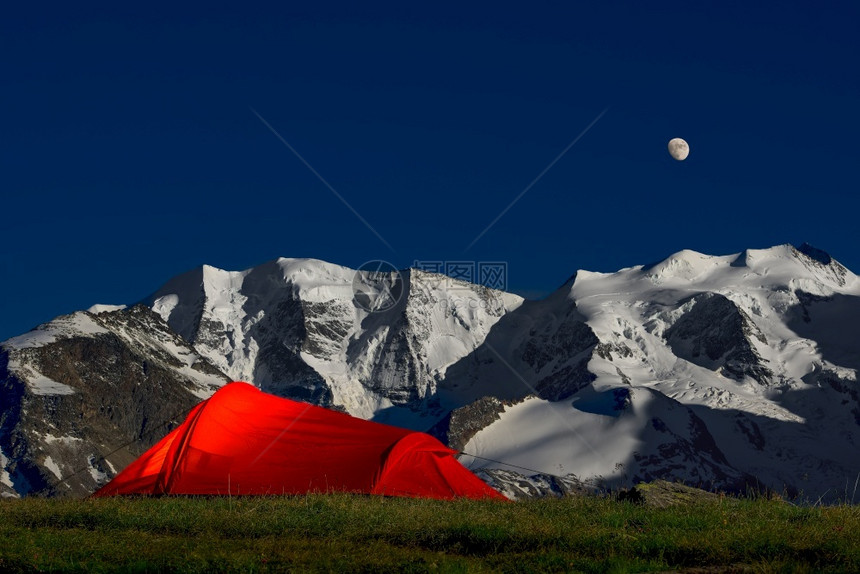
(679, 149)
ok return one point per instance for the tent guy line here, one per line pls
(587, 481)
(182, 415)
(509, 464)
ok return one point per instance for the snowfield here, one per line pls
(795, 426)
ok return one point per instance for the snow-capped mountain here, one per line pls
(293, 327)
(720, 371)
(715, 370)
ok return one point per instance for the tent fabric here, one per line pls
(242, 441)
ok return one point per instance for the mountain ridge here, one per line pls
(716, 370)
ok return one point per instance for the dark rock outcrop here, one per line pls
(717, 334)
(94, 398)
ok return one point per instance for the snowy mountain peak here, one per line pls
(63, 327)
(296, 327)
(720, 370)
(686, 265)
(758, 348)
(819, 255)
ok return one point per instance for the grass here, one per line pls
(345, 533)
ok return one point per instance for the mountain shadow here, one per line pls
(815, 316)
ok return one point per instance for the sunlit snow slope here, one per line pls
(715, 370)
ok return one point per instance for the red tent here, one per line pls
(244, 441)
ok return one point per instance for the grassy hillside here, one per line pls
(346, 533)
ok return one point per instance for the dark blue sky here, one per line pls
(129, 152)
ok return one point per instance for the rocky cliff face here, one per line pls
(717, 334)
(293, 327)
(714, 370)
(87, 393)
